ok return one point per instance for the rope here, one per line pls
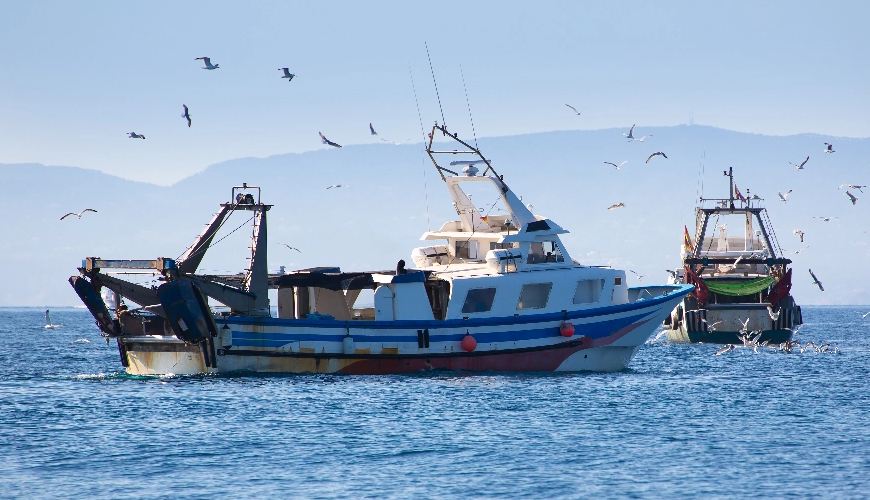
(443, 121)
(422, 133)
(469, 107)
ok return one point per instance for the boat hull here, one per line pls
(687, 324)
(605, 340)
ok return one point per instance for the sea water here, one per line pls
(678, 423)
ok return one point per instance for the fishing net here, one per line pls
(738, 288)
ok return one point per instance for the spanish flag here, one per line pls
(738, 195)
(687, 241)
(485, 218)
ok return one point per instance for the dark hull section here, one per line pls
(717, 337)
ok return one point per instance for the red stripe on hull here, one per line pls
(545, 360)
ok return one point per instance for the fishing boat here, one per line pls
(485, 293)
(742, 284)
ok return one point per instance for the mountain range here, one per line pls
(395, 195)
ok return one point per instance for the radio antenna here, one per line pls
(443, 121)
(469, 107)
(423, 133)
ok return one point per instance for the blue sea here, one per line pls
(678, 423)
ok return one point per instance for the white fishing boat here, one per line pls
(485, 293)
(742, 283)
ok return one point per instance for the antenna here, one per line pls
(443, 121)
(469, 107)
(423, 133)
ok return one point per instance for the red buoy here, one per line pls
(468, 343)
(567, 329)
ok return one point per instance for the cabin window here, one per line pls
(534, 295)
(617, 280)
(478, 300)
(588, 291)
(544, 251)
(501, 246)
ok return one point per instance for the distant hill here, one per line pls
(378, 220)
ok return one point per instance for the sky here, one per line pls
(76, 77)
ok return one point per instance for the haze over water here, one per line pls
(679, 423)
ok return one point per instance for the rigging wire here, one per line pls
(443, 121)
(468, 103)
(218, 241)
(423, 133)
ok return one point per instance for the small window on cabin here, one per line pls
(544, 251)
(501, 246)
(534, 296)
(478, 300)
(588, 291)
(617, 280)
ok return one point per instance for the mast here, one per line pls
(731, 186)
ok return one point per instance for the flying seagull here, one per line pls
(291, 248)
(829, 148)
(287, 74)
(801, 166)
(826, 219)
(639, 276)
(852, 197)
(724, 349)
(799, 234)
(186, 114)
(774, 315)
(338, 185)
(79, 215)
(207, 62)
(656, 154)
(372, 129)
(615, 165)
(134, 135)
(852, 186)
(783, 197)
(328, 142)
(641, 139)
(575, 109)
(865, 315)
(816, 281)
(630, 133)
(618, 205)
(799, 250)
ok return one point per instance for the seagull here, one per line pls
(578, 112)
(865, 315)
(639, 140)
(615, 165)
(338, 186)
(711, 326)
(852, 186)
(725, 348)
(656, 154)
(816, 281)
(799, 250)
(82, 341)
(328, 142)
(287, 74)
(630, 133)
(774, 315)
(134, 135)
(826, 219)
(744, 327)
(823, 347)
(207, 62)
(852, 197)
(783, 197)
(618, 205)
(799, 234)
(79, 215)
(372, 129)
(639, 276)
(291, 248)
(186, 115)
(48, 323)
(829, 148)
(808, 345)
(801, 166)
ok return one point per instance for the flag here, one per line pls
(485, 218)
(687, 241)
(738, 195)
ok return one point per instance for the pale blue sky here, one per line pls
(77, 76)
